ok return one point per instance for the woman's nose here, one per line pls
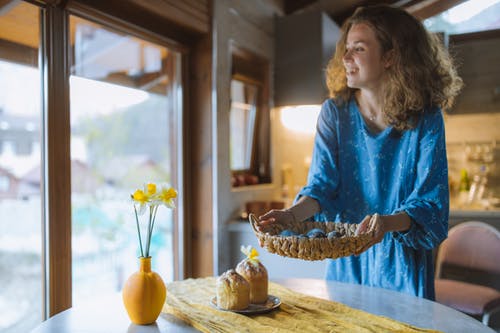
(347, 56)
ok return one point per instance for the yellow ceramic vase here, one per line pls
(144, 294)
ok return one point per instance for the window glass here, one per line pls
(469, 16)
(242, 123)
(123, 113)
(21, 272)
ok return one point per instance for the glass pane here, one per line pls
(21, 271)
(469, 16)
(123, 114)
(242, 121)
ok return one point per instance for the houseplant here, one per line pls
(144, 291)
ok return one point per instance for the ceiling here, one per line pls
(339, 10)
(26, 16)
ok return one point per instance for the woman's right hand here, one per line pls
(283, 216)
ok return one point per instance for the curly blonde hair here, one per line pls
(422, 74)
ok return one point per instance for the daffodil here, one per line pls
(166, 196)
(149, 197)
(141, 200)
(150, 189)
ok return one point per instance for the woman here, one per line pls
(379, 153)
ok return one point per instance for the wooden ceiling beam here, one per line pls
(340, 16)
(339, 10)
(292, 6)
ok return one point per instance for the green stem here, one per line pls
(152, 215)
(149, 231)
(138, 230)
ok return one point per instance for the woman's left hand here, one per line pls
(374, 225)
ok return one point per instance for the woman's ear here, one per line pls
(388, 58)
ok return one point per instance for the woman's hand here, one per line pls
(379, 225)
(275, 216)
(374, 225)
(304, 208)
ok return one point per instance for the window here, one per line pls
(21, 199)
(249, 138)
(242, 123)
(123, 115)
(469, 16)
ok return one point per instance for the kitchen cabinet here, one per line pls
(477, 55)
(304, 44)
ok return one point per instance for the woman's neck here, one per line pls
(370, 107)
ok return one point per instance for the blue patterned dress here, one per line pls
(355, 172)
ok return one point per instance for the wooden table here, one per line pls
(110, 315)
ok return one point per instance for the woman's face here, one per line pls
(363, 60)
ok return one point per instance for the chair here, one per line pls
(468, 270)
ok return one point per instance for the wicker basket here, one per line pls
(344, 244)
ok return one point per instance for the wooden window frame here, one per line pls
(56, 174)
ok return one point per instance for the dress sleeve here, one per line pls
(428, 201)
(323, 177)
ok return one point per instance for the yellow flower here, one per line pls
(141, 199)
(166, 196)
(150, 189)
